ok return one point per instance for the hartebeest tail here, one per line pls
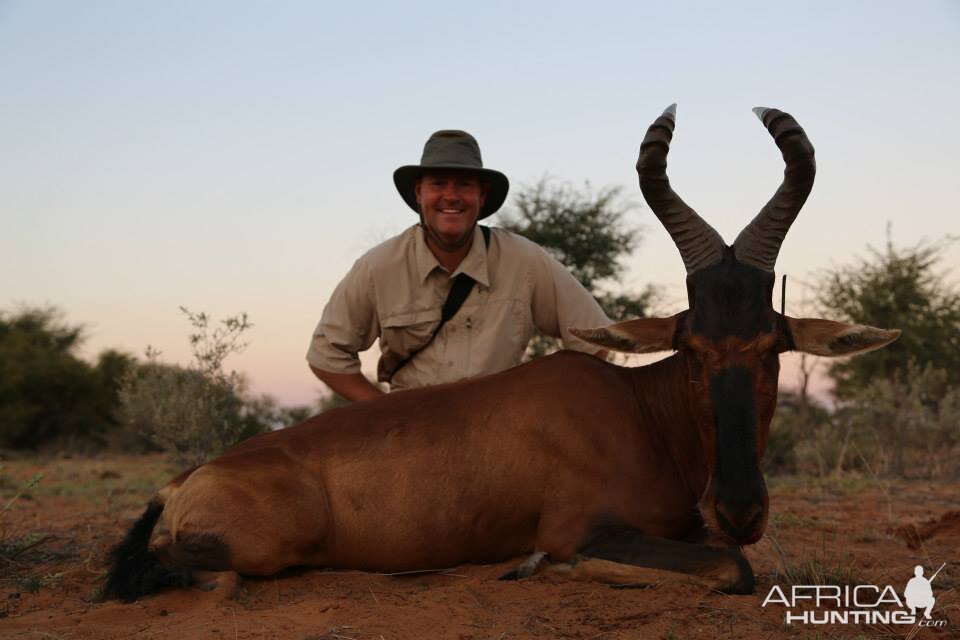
(135, 570)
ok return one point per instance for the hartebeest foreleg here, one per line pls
(626, 556)
(618, 573)
(721, 568)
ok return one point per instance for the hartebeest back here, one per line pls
(567, 457)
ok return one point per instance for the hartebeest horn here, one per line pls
(699, 244)
(759, 242)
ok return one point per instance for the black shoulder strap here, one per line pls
(461, 288)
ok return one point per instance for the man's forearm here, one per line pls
(352, 386)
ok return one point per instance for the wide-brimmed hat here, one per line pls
(452, 149)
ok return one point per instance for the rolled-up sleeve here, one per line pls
(348, 325)
(561, 302)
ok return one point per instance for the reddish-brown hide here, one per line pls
(567, 457)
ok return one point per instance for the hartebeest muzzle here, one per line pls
(739, 493)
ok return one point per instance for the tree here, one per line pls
(896, 288)
(47, 393)
(585, 231)
(898, 406)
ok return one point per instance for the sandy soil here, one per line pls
(841, 531)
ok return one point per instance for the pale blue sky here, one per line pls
(236, 156)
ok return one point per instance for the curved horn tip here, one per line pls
(671, 111)
(760, 111)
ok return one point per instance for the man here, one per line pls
(395, 292)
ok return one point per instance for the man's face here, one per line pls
(450, 202)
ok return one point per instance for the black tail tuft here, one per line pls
(134, 569)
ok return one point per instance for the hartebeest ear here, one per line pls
(829, 338)
(644, 335)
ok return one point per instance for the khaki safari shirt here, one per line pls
(395, 292)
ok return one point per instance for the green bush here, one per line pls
(905, 427)
(195, 412)
(48, 395)
(908, 426)
(790, 430)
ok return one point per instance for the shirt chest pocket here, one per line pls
(405, 332)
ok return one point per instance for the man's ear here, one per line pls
(829, 338)
(643, 335)
(484, 190)
(416, 190)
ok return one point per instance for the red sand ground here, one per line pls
(915, 535)
(840, 530)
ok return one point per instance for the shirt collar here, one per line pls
(474, 264)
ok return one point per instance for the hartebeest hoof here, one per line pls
(528, 567)
(731, 573)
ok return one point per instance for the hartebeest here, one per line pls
(567, 457)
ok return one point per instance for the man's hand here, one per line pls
(352, 386)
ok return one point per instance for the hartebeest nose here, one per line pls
(741, 522)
